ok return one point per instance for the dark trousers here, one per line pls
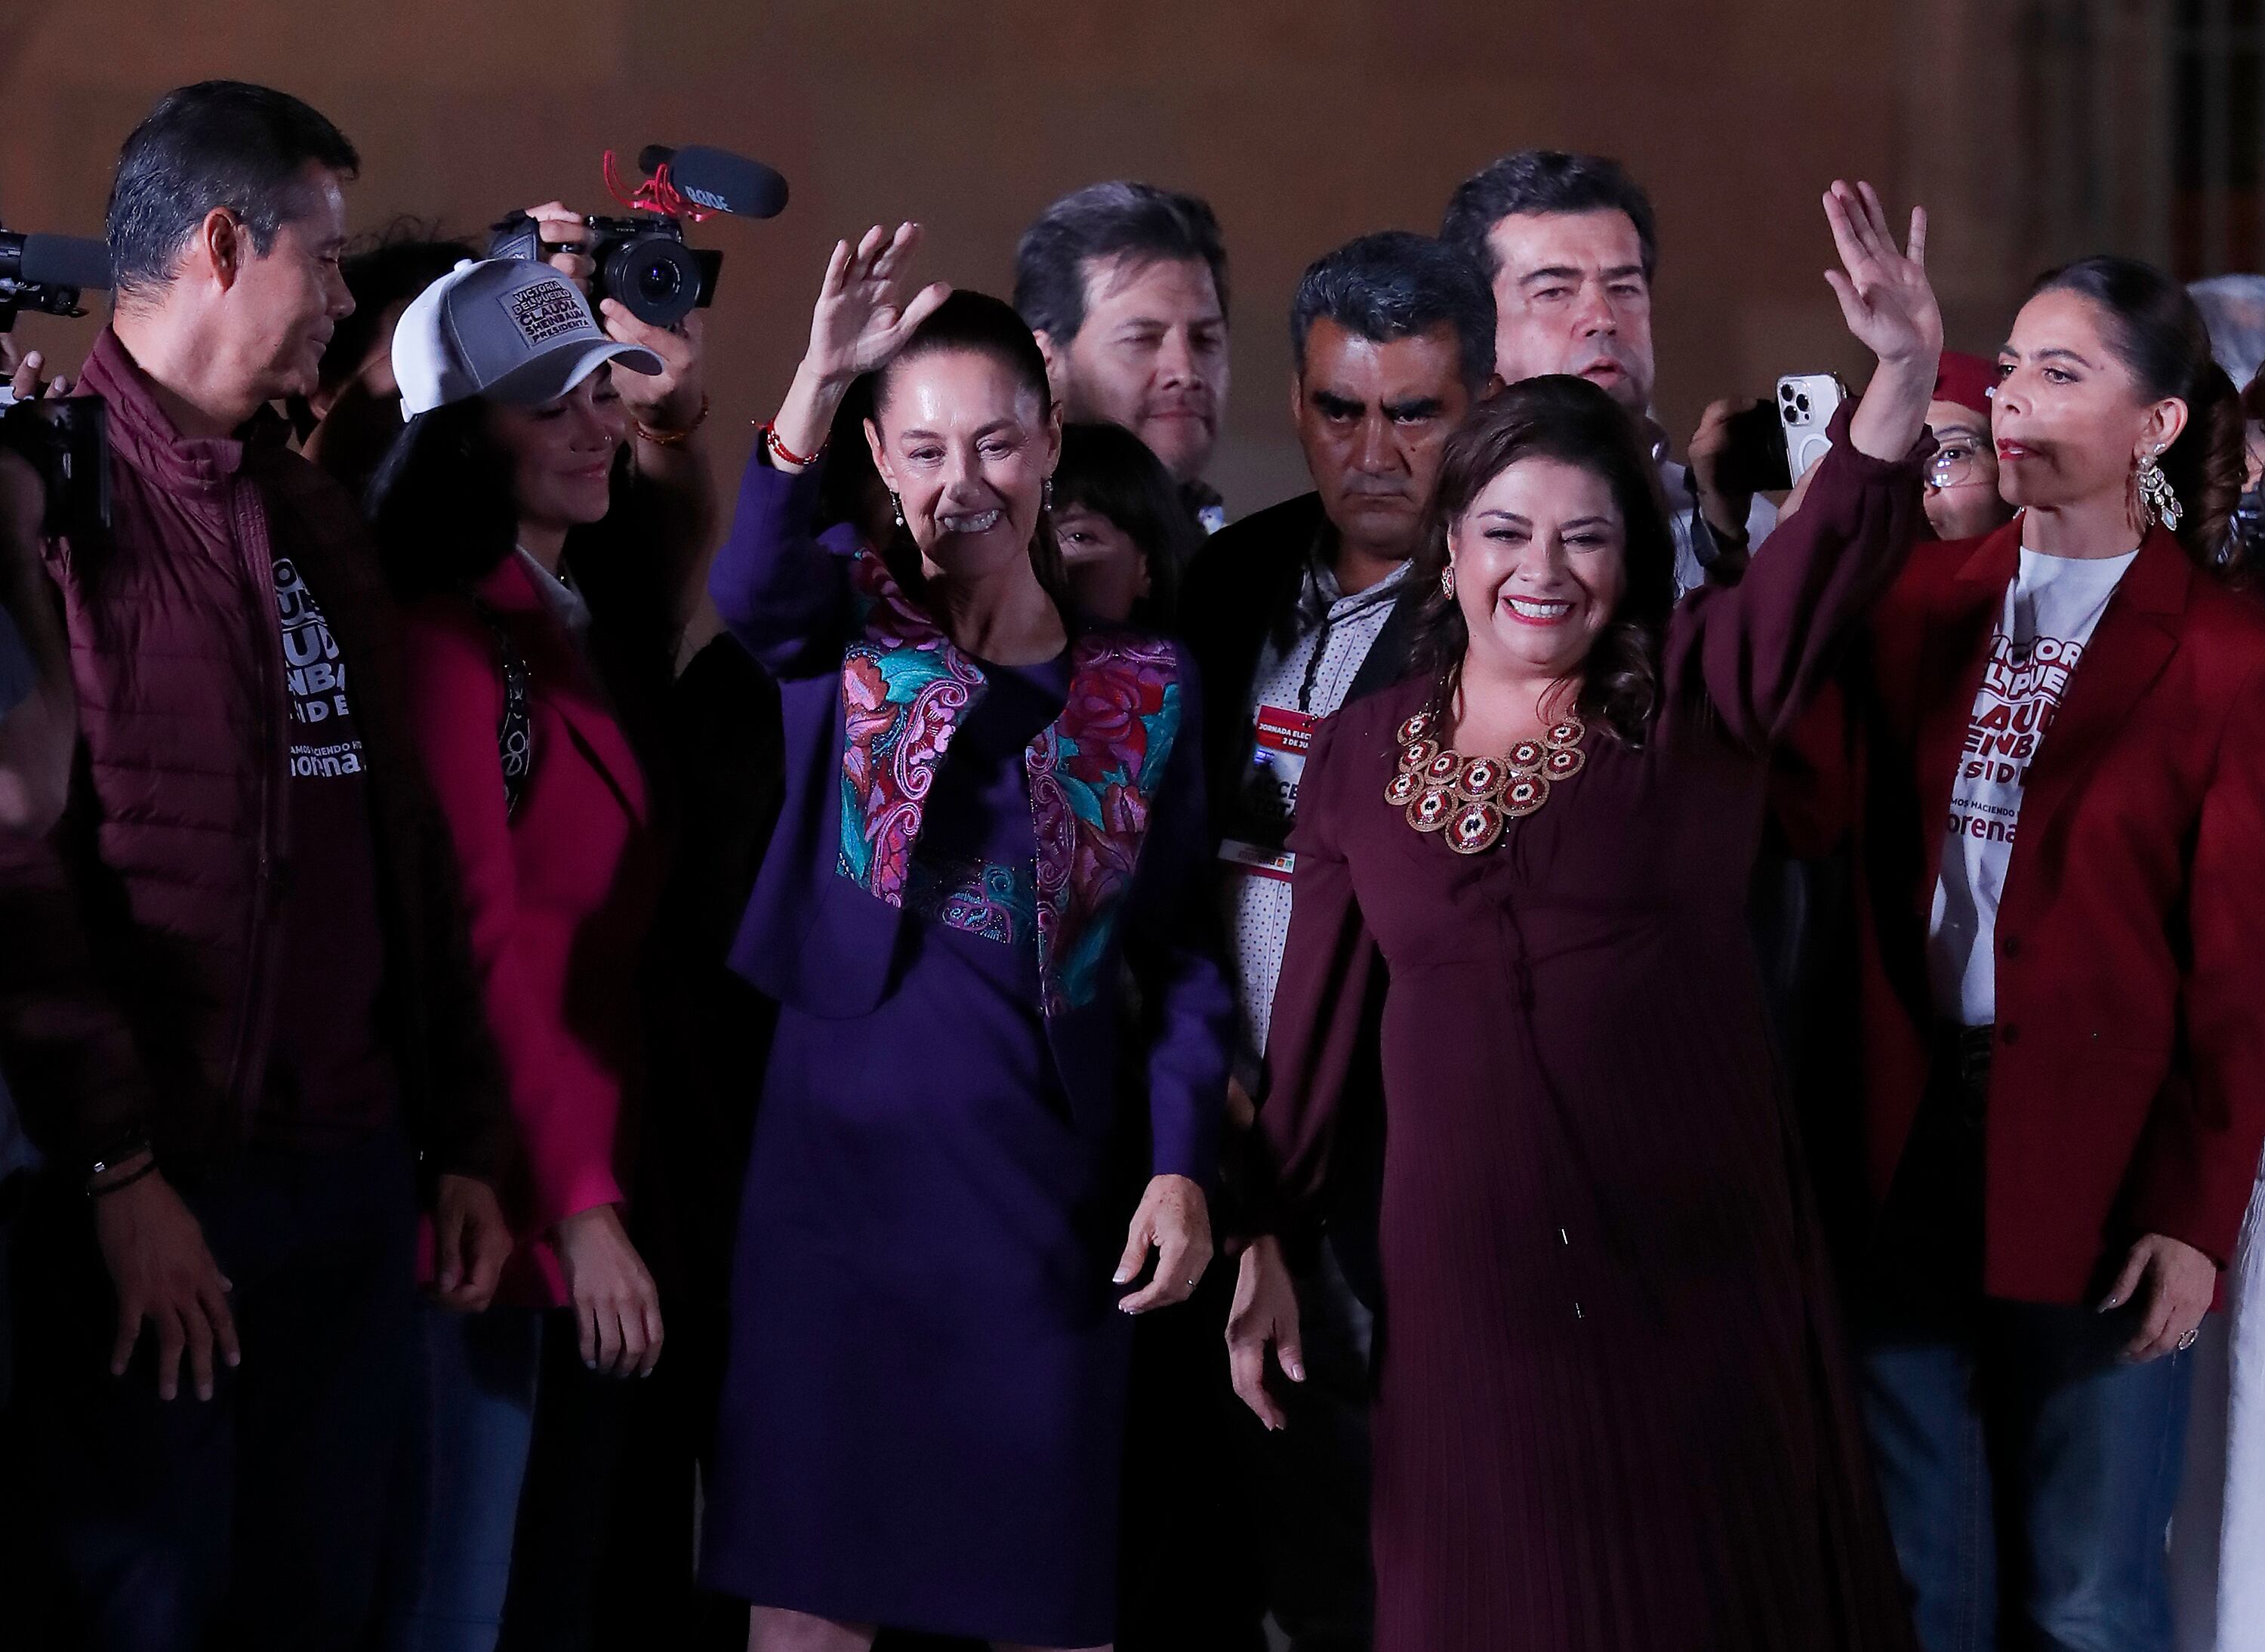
(1310, 1482)
(2029, 1471)
(248, 1521)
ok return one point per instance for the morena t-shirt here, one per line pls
(2051, 607)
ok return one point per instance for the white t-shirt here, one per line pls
(2050, 609)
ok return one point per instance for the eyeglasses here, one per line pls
(1958, 463)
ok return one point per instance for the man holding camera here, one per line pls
(237, 1002)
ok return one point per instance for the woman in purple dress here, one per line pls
(1612, 1413)
(993, 830)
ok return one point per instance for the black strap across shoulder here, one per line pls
(514, 728)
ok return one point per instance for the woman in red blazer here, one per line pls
(2057, 798)
(547, 591)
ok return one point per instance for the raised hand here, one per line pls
(1884, 294)
(862, 317)
(1889, 306)
(861, 320)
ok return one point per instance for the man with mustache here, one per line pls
(1125, 287)
(1570, 245)
(237, 1001)
(1291, 612)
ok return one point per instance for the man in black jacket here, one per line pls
(1291, 613)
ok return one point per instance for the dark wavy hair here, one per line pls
(443, 512)
(1570, 420)
(979, 324)
(2157, 331)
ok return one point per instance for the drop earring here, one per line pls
(898, 506)
(2157, 503)
(1046, 495)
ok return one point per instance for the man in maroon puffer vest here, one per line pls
(237, 1004)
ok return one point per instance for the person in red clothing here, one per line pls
(236, 999)
(2052, 764)
(550, 585)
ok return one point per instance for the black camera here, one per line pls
(46, 273)
(66, 439)
(641, 259)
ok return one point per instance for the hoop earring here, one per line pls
(898, 506)
(2157, 503)
(1448, 581)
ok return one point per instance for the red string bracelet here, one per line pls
(785, 454)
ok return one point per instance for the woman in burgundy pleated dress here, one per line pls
(1612, 1407)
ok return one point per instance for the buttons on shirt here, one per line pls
(2009, 1034)
(2010, 945)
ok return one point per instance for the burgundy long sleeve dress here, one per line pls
(1611, 1410)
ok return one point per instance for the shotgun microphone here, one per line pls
(718, 180)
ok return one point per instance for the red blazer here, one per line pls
(2127, 1090)
(560, 895)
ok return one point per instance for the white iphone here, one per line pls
(1806, 403)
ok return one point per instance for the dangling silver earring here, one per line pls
(1046, 495)
(1448, 581)
(2157, 501)
(899, 505)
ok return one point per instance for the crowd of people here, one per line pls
(1544, 1048)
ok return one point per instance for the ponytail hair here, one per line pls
(2157, 331)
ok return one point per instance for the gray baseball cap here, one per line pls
(503, 328)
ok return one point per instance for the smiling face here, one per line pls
(2070, 419)
(281, 306)
(1373, 419)
(1570, 297)
(1151, 355)
(1540, 561)
(562, 452)
(966, 447)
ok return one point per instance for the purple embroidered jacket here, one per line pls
(871, 690)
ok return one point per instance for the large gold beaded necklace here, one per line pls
(1468, 800)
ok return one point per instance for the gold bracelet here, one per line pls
(672, 438)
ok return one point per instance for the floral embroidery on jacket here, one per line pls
(904, 689)
(979, 898)
(1092, 774)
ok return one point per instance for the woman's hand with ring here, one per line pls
(1174, 1220)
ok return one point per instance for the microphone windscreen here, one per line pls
(63, 260)
(724, 182)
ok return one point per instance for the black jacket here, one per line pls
(1242, 587)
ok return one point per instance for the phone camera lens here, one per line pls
(1802, 402)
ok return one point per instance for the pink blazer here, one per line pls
(560, 896)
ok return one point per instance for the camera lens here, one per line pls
(656, 277)
(1802, 402)
(658, 281)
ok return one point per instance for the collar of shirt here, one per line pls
(565, 602)
(1323, 601)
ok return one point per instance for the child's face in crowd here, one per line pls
(1108, 571)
